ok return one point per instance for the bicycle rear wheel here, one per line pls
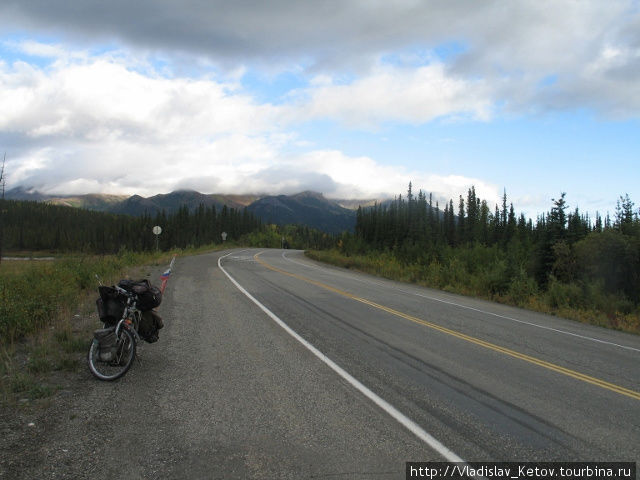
(119, 364)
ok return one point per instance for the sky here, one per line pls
(350, 98)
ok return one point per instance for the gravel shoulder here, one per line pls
(223, 394)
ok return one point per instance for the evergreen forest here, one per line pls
(37, 226)
(30, 226)
(564, 261)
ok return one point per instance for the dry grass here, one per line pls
(47, 315)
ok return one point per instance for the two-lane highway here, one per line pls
(485, 381)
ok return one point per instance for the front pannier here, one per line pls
(107, 345)
(110, 305)
(148, 296)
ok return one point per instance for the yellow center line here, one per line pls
(497, 348)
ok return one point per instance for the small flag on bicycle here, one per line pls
(165, 275)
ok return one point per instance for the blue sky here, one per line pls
(353, 99)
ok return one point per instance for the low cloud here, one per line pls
(363, 177)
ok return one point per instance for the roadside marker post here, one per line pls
(157, 230)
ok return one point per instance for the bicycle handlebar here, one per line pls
(130, 295)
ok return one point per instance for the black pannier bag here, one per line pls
(150, 323)
(148, 296)
(110, 305)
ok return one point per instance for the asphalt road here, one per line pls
(361, 376)
(487, 381)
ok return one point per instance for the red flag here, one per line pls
(166, 274)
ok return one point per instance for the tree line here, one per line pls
(36, 226)
(40, 226)
(565, 255)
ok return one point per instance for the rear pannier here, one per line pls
(148, 296)
(150, 323)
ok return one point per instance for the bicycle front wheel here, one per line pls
(119, 364)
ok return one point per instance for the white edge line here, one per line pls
(584, 337)
(386, 406)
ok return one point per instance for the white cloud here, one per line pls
(348, 177)
(509, 45)
(397, 94)
(102, 98)
(108, 127)
(39, 49)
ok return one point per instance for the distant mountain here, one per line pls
(135, 205)
(171, 202)
(307, 208)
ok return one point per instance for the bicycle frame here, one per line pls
(130, 317)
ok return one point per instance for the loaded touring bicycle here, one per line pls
(126, 311)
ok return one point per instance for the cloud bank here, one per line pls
(102, 124)
(516, 46)
(148, 96)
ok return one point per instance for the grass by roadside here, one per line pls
(563, 300)
(47, 316)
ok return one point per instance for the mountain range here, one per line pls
(306, 208)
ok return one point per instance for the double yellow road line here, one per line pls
(491, 346)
